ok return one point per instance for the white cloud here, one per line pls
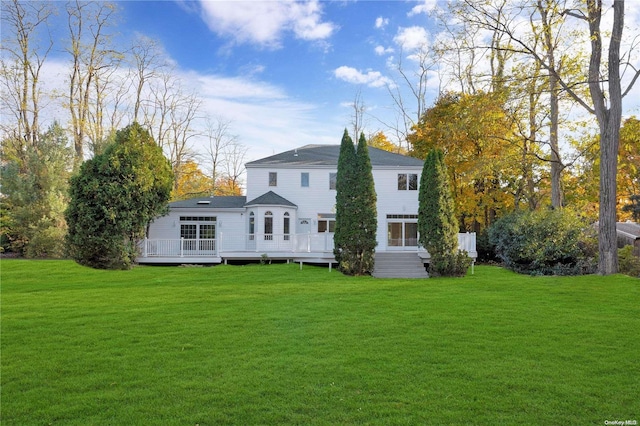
(381, 22)
(412, 38)
(370, 78)
(381, 50)
(265, 22)
(426, 7)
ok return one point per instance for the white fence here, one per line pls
(259, 243)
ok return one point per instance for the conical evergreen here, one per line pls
(346, 189)
(366, 213)
(437, 223)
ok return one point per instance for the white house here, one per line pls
(289, 214)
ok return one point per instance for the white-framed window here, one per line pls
(286, 226)
(268, 225)
(407, 181)
(326, 222)
(304, 179)
(273, 179)
(333, 178)
(252, 225)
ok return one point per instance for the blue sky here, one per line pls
(303, 61)
(284, 72)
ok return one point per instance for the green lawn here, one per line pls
(276, 345)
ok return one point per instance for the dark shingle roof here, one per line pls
(270, 199)
(229, 202)
(630, 228)
(327, 155)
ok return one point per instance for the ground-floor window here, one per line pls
(402, 230)
(326, 222)
(195, 229)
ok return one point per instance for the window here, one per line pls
(333, 178)
(304, 180)
(273, 179)
(326, 222)
(407, 182)
(189, 231)
(286, 226)
(268, 226)
(252, 225)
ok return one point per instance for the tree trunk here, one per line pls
(609, 121)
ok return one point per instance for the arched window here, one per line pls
(268, 225)
(252, 225)
(286, 226)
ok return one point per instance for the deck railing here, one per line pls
(259, 243)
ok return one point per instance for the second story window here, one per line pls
(304, 180)
(333, 178)
(273, 179)
(407, 182)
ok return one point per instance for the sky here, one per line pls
(286, 73)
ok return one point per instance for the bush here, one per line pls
(455, 265)
(549, 242)
(628, 263)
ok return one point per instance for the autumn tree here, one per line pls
(114, 196)
(192, 182)
(472, 131)
(604, 81)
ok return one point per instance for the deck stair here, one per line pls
(399, 265)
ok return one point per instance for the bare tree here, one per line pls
(148, 64)
(409, 109)
(22, 61)
(357, 116)
(234, 165)
(170, 116)
(220, 139)
(91, 54)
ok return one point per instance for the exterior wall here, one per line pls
(391, 200)
(168, 227)
(318, 198)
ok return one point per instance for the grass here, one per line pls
(276, 345)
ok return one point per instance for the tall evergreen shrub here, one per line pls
(345, 231)
(114, 197)
(437, 223)
(356, 221)
(366, 213)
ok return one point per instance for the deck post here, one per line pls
(181, 246)
(146, 250)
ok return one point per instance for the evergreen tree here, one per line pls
(366, 213)
(114, 197)
(35, 186)
(437, 224)
(346, 189)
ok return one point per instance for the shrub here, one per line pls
(628, 263)
(548, 242)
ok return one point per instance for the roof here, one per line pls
(218, 202)
(632, 229)
(270, 199)
(327, 155)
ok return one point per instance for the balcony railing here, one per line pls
(260, 243)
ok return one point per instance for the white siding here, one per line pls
(311, 200)
(318, 198)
